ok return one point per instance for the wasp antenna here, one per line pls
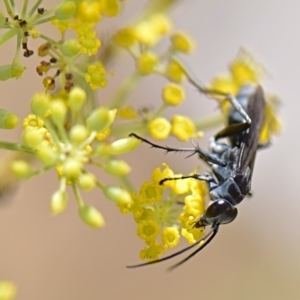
(209, 236)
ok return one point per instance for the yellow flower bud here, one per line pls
(8, 120)
(175, 71)
(70, 47)
(77, 98)
(47, 155)
(65, 10)
(123, 146)
(125, 37)
(72, 168)
(78, 134)
(146, 62)
(33, 137)
(21, 169)
(101, 119)
(182, 42)
(58, 202)
(117, 167)
(58, 112)
(91, 216)
(87, 181)
(117, 194)
(40, 104)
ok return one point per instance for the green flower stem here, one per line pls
(45, 20)
(9, 9)
(34, 8)
(16, 147)
(77, 195)
(52, 42)
(52, 132)
(209, 122)
(88, 141)
(100, 185)
(125, 129)
(127, 183)
(63, 134)
(8, 35)
(159, 112)
(125, 90)
(40, 171)
(24, 9)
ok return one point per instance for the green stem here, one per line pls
(160, 110)
(45, 20)
(77, 195)
(16, 147)
(8, 35)
(24, 10)
(123, 130)
(52, 42)
(8, 9)
(209, 122)
(125, 89)
(127, 183)
(34, 8)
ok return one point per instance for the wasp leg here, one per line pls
(197, 150)
(206, 178)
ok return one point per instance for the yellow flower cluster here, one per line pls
(246, 70)
(60, 142)
(140, 41)
(161, 218)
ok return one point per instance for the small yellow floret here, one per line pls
(159, 128)
(151, 251)
(175, 71)
(148, 230)
(182, 42)
(170, 237)
(183, 127)
(150, 193)
(125, 37)
(173, 94)
(146, 62)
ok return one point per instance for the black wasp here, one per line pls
(229, 181)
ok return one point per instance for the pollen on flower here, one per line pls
(170, 237)
(146, 33)
(151, 251)
(146, 62)
(150, 193)
(224, 84)
(245, 69)
(182, 42)
(148, 230)
(110, 8)
(88, 11)
(173, 94)
(272, 124)
(183, 127)
(159, 128)
(175, 71)
(125, 37)
(142, 213)
(89, 42)
(127, 112)
(162, 23)
(96, 76)
(158, 175)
